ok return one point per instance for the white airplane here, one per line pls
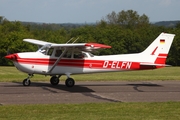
(75, 58)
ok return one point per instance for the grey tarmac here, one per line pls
(89, 92)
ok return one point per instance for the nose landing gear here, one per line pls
(27, 81)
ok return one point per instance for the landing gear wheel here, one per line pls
(26, 82)
(70, 82)
(54, 80)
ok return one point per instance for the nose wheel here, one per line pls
(27, 81)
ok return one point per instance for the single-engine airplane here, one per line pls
(76, 58)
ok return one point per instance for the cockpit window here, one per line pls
(46, 50)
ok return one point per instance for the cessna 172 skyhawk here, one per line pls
(75, 58)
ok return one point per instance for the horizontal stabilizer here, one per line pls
(144, 66)
(152, 64)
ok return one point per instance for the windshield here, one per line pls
(46, 50)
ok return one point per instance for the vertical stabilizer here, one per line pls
(158, 50)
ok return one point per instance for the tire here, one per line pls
(26, 82)
(54, 80)
(70, 82)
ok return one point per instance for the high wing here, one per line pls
(82, 46)
(37, 42)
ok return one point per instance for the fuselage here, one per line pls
(38, 63)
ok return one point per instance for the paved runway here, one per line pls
(88, 92)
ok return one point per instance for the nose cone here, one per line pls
(10, 57)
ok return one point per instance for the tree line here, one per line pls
(125, 31)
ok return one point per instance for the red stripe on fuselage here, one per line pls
(95, 64)
(87, 63)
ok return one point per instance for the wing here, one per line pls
(37, 42)
(81, 46)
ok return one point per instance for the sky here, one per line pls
(85, 11)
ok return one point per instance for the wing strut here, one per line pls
(57, 60)
(75, 40)
(69, 41)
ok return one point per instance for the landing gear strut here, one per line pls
(27, 81)
(54, 80)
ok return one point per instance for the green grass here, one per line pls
(11, 74)
(93, 111)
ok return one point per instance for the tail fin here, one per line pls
(158, 50)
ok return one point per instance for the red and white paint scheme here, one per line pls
(75, 58)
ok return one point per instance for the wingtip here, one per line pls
(97, 45)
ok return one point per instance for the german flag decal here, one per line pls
(162, 41)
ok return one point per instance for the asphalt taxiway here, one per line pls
(89, 92)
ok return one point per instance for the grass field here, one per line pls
(95, 111)
(11, 74)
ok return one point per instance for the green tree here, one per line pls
(12, 34)
(128, 19)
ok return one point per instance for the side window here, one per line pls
(58, 53)
(68, 54)
(85, 56)
(78, 55)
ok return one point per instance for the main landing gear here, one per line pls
(55, 81)
(69, 82)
